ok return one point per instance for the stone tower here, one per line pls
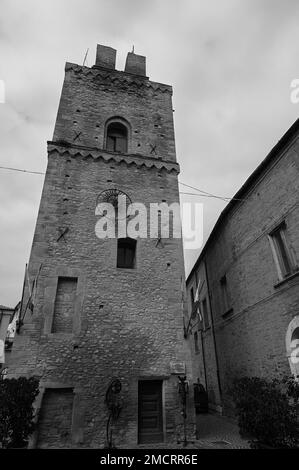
(106, 333)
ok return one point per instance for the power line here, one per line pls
(204, 195)
(224, 198)
(23, 171)
(200, 192)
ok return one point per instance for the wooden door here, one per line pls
(150, 417)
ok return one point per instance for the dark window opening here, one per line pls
(126, 253)
(196, 342)
(295, 335)
(205, 313)
(117, 137)
(282, 251)
(224, 292)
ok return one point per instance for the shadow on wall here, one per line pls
(122, 353)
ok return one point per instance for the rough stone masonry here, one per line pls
(94, 322)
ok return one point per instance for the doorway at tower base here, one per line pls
(155, 411)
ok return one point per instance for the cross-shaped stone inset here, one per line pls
(153, 149)
(77, 136)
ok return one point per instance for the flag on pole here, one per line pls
(32, 290)
(196, 312)
(11, 330)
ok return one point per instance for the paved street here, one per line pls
(218, 432)
(214, 432)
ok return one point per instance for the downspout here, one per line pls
(203, 359)
(202, 344)
(213, 333)
(19, 320)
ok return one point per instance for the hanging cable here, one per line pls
(23, 171)
(204, 195)
(210, 194)
(200, 192)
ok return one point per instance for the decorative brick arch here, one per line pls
(292, 344)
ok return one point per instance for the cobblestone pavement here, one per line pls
(214, 432)
(218, 432)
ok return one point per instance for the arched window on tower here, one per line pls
(117, 137)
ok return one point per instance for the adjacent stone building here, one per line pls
(245, 281)
(103, 329)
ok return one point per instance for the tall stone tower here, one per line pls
(106, 333)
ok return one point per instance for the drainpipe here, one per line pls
(203, 359)
(18, 325)
(213, 333)
(201, 339)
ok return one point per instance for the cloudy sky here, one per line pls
(230, 62)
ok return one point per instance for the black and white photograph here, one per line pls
(149, 201)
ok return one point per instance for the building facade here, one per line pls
(103, 328)
(245, 282)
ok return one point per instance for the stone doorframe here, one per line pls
(77, 414)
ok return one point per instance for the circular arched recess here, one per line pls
(292, 346)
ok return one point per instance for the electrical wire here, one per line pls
(23, 171)
(210, 194)
(205, 195)
(200, 192)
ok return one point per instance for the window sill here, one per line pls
(115, 152)
(286, 279)
(227, 313)
(127, 270)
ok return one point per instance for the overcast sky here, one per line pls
(230, 63)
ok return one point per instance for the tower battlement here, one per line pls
(106, 58)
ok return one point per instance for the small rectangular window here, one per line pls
(205, 313)
(281, 251)
(126, 253)
(224, 295)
